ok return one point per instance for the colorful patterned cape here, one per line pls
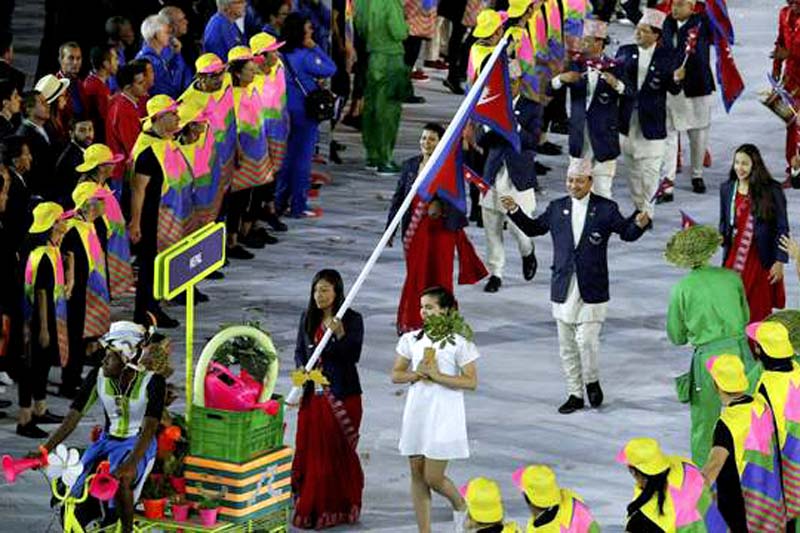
(53, 255)
(573, 517)
(421, 17)
(276, 115)
(118, 249)
(522, 49)
(98, 310)
(253, 166)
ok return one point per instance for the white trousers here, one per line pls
(643, 176)
(602, 176)
(698, 142)
(493, 221)
(578, 346)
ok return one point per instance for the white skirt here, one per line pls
(689, 113)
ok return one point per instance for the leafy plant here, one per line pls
(155, 488)
(251, 357)
(443, 328)
(209, 502)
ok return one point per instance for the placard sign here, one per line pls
(189, 261)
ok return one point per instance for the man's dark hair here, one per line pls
(114, 26)
(128, 72)
(13, 148)
(434, 127)
(268, 8)
(293, 31)
(99, 55)
(6, 42)
(29, 100)
(6, 89)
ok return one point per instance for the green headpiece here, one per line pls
(693, 247)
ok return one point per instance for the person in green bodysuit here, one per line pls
(707, 309)
(383, 25)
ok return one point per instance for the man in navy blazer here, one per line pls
(595, 87)
(580, 225)
(690, 109)
(510, 173)
(650, 72)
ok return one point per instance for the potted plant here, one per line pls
(256, 360)
(179, 507)
(208, 509)
(154, 496)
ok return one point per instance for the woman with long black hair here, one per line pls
(327, 479)
(752, 220)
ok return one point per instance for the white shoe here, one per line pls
(5, 379)
(459, 517)
(3, 389)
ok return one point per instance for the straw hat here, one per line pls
(263, 42)
(773, 337)
(488, 22)
(240, 53)
(51, 87)
(157, 106)
(692, 247)
(484, 501)
(45, 216)
(644, 454)
(517, 8)
(96, 155)
(538, 483)
(209, 63)
(728, 373)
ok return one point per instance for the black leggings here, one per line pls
(238, 204)
(146, 252)
(412, 46)
(33, 375)
(457, 52)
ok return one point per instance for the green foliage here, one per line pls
(155, 487)
(245, 352)
(444, 328)
(209, 502)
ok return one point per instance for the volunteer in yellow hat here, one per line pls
(163, 110)
(670, 492)
(780, 387)
(266, 47)
(98, 162)
(46, 217)
(552, 508)
(519, 8)
(489, 26)
(210, 74)
(485, 507)
(745, 424)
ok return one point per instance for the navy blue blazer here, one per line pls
(650, 101)
(588, 260)
(521, 168)
(699, 80)
(602, 117)
(453, 218)
(766, 234)
(339, 357)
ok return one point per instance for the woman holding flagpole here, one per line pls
(434, 428)
(327, 480)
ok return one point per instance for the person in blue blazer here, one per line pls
(580, 225)
(510, 173)
(649, 68)
(595, 86)
(690, 109)
(752, 220)
(305, 64)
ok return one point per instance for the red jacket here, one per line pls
(122, 129)
(97, 95)
(789, 38)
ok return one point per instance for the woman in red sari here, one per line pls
(752, 221)
(433, 235)
(327, 480)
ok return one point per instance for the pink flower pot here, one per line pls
(208, 517)
(180, 512)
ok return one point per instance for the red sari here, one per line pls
(430, 251)
(327, 479)
(762, 296)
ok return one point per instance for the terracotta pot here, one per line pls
(180, 512)
(154, 509)
(208, 517)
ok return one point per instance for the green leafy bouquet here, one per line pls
(245, 351)
(443, 328)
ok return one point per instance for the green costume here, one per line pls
(384, 27)
(709, 310)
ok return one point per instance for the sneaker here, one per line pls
(5, 379)
(276, 224)
(436, 65)
(454, 86)
(572, 404)
(47, 418)
(237, 252)
(31, 430)
(698, 185)
(493, 285)
(163, 320)
(561, 127)
(595, 394)
(414, 99)
(419, 75)
(370, 166)
(389, 169)
(252, 240)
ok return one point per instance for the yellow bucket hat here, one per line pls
(209, 63)
(773, 338)
(83, 193)
(484, 501)
(644, 454)
(96, 155)
(156, 106)
(488, 22)
(539, 484)
(263, 42)
(45, 216)
(516, 8)
(728, 373)
(240, 53)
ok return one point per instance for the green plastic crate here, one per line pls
(235, 436)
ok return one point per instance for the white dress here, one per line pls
(434, 421)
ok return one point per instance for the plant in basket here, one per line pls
(252, 357)
(208, 508)
(154, 496)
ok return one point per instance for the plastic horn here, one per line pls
(14, 467)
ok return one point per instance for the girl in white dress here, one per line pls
(434, 428)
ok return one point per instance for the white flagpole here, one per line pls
(294, 396)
